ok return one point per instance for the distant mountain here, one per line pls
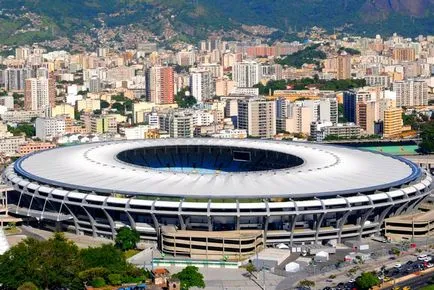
(193, 19)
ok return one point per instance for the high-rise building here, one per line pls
(22, 53)
(246, 74)
(401, 54)
(160, 85)
(258, 117)
(378, 80)
(39, 93)
(94, 85)
(367, 116)
(186, 58)
(201, 86)
(392, 123)
(343, 66)
(179, 124)
(14, 78)
(350, 101)
(328, 110)
(411, 93)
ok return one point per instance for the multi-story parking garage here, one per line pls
(209, 197)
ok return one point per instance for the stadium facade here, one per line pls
(212, 197)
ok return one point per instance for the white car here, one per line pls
(429, 265)
(422, 257)
(352, 281)
(397, 266)
(427, 259)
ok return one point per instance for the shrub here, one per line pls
(98, 282)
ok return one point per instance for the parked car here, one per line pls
(397, 266)
(422, 257)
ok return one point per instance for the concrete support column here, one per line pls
(131, 220)
(74, 219)
(91, 220)
(294, 221)
(342, 222)
(111, 222)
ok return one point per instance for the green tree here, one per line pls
(250, 268)
(115, 279)
(427, 135)
(60, 261)
(184, 99)
(104, 104)
(127, 238)
(27, 129)
(98, 282)
(118, 107)
(306, 283)
(367, 280)
(28, 286)
(190, 277)
(106, 256)
(47, 264)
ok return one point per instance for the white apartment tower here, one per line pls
(246, 74)
(411, 93)
(39, 94)
(201, 85)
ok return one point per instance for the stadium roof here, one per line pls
(327, 170)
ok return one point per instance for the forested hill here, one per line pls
(199, 17)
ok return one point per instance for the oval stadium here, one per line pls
(205, 198)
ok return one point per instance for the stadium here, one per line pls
(205, 198)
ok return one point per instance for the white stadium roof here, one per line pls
(327, 170)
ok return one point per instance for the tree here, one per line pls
(47, 264)
(250, 268)
(367, 280)
(104, 104)
(106, 257)
(427, 135)
(127, 238)
(28, 286)
(306, 283)
(190, 277)
(115, 279)
(184, 99)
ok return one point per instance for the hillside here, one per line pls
(194, 19)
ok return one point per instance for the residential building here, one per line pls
(343, 66)
(31, 147)
(160, 85)
(88, 105)
(411, 93)
(246, 74)
(400, 54)
(62, 110)
(15, 78)
(39, 94)
(201, 85)
(179, 124)
(378, 80)
(321, 130)
(366, 116)
(21, 116)
(9, 146)
(392, 123)
(258, 117)
(49, 128)
(7, 101)
(103, 124)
